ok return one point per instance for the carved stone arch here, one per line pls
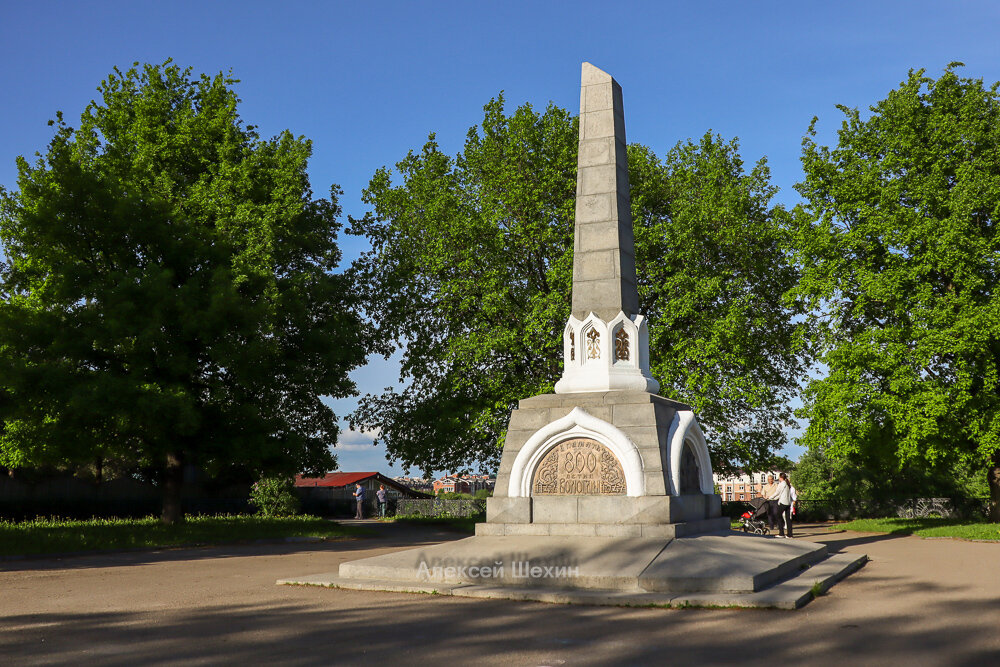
(623, 341)
(690, 472)
(621, 344)
(592, 347)
(590, 372)
(686, 435)
(577, 424)
(570, 340)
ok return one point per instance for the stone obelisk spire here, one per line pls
(604, 252)
(606, 342)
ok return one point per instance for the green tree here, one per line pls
(471, 270)
(869, 479)
(275, 496)
(713, 260)
(900, 270)
(169, 294)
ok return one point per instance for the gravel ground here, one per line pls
(918, 602)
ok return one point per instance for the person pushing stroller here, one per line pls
(755, 520)
(782, 497)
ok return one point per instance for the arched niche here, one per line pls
(686, 436)
(577, 424)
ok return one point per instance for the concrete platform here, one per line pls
(724, 569)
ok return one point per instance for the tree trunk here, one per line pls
(993, 477)
(173, 479)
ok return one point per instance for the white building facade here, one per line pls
(744, 486)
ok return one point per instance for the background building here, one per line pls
(416, 483)
(464, 483)
(743, 486)
(333, 493)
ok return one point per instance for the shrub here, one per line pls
(274, 496)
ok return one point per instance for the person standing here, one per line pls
(359, 494)
(768, 493)
(784, 498)
(380, 496)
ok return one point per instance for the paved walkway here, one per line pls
(919, 602)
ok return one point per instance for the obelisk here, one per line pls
(604, 454)
(598, 480)
(606, 341)
(603, 249)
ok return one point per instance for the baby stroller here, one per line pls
(756, 521)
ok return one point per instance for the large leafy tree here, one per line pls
(471, 271)
(901, 272)
(169, 295)
(867, 478)
(713, 263)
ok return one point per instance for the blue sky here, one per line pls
(367, 81)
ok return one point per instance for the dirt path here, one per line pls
(919, 602)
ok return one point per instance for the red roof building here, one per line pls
(346, 480)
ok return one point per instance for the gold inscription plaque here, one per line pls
(579, 467)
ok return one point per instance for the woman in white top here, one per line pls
(783, 495)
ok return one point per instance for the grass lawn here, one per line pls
(41, 536)
(966, 530)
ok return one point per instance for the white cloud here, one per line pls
(355, 441)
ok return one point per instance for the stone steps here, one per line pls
(719, 569)
(734, 563)
(791, 593)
